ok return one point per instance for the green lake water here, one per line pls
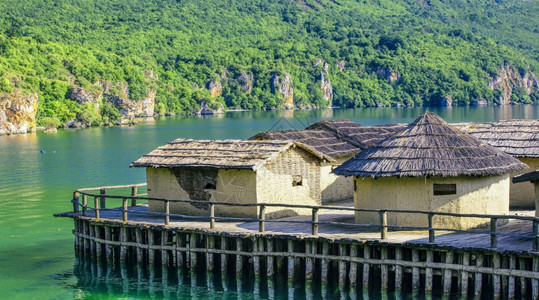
(37, 260)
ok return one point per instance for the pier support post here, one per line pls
(309, 262)
(496, 280)
(478, 276)
(464, 275)
(324, 263)
(92, 241)
(398, 269)
(108, 247)
(415, 272)
(291, 262)
(352, 275)
(447, 273)
(239, 257)
(269, 257)
(428, 272)
(192, 254)
(535, 282)
(210, 245)
(138, 238)
(366, 266)
(523, 281)
(223, 257)
(151, 251)
(123, 241)
(165, 253)
(342, 266)
(511, 279)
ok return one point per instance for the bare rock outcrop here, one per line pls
(246, 82)
(341, 65)
(118, 94)
(284, 87)
(390, 76)
(325, 84)
(81, 96)
(216, 88)
(18, 113)
(508, 78)
(205, 109)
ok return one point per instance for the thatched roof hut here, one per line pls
(220, 154)
(429, 147)
(233, 171)
(519, 138)
(431, 165)
(531, 176)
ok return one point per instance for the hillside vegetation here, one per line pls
(258, 54)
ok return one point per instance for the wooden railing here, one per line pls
(99, 203)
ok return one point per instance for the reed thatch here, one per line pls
(363, 136)
(429, 147)
(222, 154)
(335, 138)
(519, 138)
(531, 176)
(323, 141)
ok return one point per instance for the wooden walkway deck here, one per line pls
(138, 215)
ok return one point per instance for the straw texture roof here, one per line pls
(531, 176)
(223, 154)
(336, 138)
(519, 138)
(323, 141)
(429, 147)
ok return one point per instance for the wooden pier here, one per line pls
(324, 250)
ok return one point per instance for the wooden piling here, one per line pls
(398, 269)
(324, 264)
(523, 281)
(415, 271)
(210, 244)
(478, 276)
(366, 266)
(108, 247)
(133, 195)
(342, 265)
(428, 272)
(496, 280)
(269, 258)
(465, 256)
(223, 256)
(151, 251)
(511, 279)
(535, 282)
(309, 263)
(383, 268)
(165, 254)
(123, 240)
(291, 261)
(102, 201)
(192, 254)
(138, 238)
(447, 273)
(352, 275)
(239, 258)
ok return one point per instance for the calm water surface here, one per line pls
(36, 250)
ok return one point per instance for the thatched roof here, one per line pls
(223, 154)
(519, 138)
(429, 147)
(335, 138)
(531, 176)
(323, 141)
(362, 136)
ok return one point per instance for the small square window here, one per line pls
(297, 180)
(445, 189)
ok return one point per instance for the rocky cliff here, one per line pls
(284, 87)
(18, 113)
(325, 84)
(82, 96)
(507, 79)
(118, 94)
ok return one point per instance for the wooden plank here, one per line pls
(352, 275)
(108, 247)
(523, 281)
(239, 258)
(210, 244)
(192, 254)
(535, 282)
(342, 265)
(290, 264)
(223, 256)
(324, 264)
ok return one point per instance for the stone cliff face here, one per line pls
(82, 96)
(129, 108)
(508, 79)
(325, 84)
(216, 88)
(284, 88)
(18, 113)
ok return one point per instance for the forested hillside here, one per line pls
(95, 60)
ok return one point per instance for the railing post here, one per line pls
(431, 229)
(134, 194)
(84, 204)
(167, 212)
(383, 224)
(315, 221)
(96, 207)
(536, 235)
(261, 218)
(212, 216)
(75, 202)
(124, 209)
(102, 199)
(493, 230)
